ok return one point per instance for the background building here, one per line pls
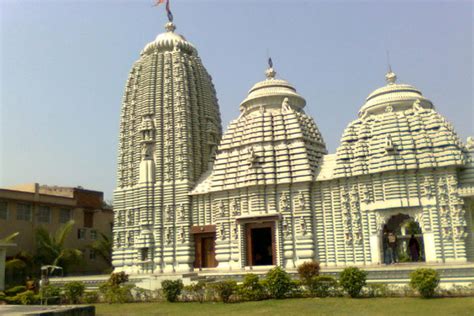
(23, 208)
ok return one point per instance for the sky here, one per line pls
(63, 67)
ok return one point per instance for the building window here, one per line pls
(44, 214)
(64, 215)
(91, 254)
(88, 219)
(23, 212)
(81, 233)
(3, 210)
(93, 234)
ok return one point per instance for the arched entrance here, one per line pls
(403, 237)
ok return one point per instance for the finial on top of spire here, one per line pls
(390, 77)
(170, 27)
(270, 73)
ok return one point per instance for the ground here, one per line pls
(307, 306)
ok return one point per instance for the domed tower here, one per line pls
(257, 197)
(400, 162)
(169, 129)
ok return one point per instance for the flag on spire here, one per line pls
(168, 11)
(270, 62)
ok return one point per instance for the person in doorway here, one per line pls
(414, 248)
(392, 246)
(386, 255)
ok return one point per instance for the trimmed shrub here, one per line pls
(73, 291)
(308, 270)
(15, 290)
(322, 286)
(91, 297)
(172, 289)
(252, 289)
(28, 298)
(377, 290)
(225, 289)
(197, 291)
(50, 294)
(352, 280)
(425, 281)
(116, 294)
(278, 283)
(118, 278)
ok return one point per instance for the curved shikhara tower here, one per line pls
(170, 126)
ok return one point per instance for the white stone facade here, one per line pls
(269, 180)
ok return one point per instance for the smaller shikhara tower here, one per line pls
(169, 129)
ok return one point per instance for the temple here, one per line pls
(266, 192)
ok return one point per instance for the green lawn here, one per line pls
(306, 306)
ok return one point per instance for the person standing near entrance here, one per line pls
(386, 255)
(392, 247)
(414, 248)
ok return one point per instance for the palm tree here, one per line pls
(9, 238)
(51, 249)
(103, 247)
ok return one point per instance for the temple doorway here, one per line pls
(205, 254)
(261, 244)
(408, 236)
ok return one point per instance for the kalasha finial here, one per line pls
(390, 77)
(170, 27)
(270, 73)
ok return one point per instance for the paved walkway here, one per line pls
(14, 310)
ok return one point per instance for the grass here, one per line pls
(306, 306)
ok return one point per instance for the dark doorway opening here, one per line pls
(262, 253)
(260, 241)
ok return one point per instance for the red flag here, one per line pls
(158, 2)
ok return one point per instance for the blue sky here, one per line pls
(63, 67)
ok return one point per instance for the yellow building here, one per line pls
(24, 208)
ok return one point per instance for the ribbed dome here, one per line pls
(169, 41)
(271, 92)
(399, 96)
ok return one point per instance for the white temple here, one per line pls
(267, 192)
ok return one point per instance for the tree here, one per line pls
(103, 247)
(51, 247)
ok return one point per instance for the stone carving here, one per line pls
(181, 212)
(417, 105)
(234, 207)
(388, 109)
(285, 106)
(221, 209)
(182, 234)
(236, 231)
(303, 225)
(470, 143)
(284, 202)
(389, 146)
(169, 213)
(427, 189)
(222, 231)
(252, 157)
(301, 200)
(168, 235)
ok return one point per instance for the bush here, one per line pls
(172, 289)
(28, 298)
(197, 291)
(278, 283)
(142, 295)
(252, 289)
(225, 289)
(308, 270)
(119, 294)
(377, 290)
(91, 297)
(353, 280)
(15, 290)
(118, 278)
(50, 294)
(425, 281)
(73, 291)
(322, 286)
